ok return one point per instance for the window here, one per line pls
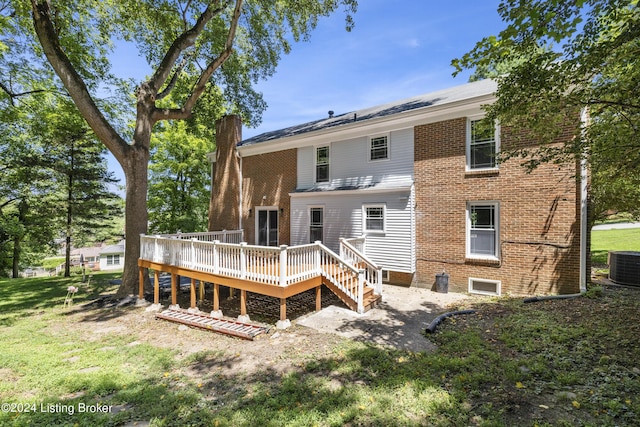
(482, 230)
(379, 148)
(316, 224)
(113, 259)
(484, 286)
(322, 164)
(482, 144)
(374, 218)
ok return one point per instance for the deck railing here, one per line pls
(224, 236)
(353, 251)
(280, 266)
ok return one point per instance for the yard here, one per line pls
(563, 362)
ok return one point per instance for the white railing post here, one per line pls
(243, 260)
(142, 254)
(360, 291)
(283, 265)
(318, 257)
(216, 261)
(342, 247)
(193, 253)
(378, 286)
(156, 255)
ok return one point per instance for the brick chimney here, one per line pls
(224, 207)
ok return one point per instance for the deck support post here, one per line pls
(283, 309)
(283, 323)
(156, 287)
(244, 317)
(193, 293)
(217, 313)
(141, 283)
(174, 293)
(200, 291)
(243, 302)
(318, 298)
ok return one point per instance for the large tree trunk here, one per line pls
(135, 216)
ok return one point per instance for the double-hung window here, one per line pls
(483, 220)
(373, 218)
(113, 259)
(483, 141)
(322, 164)
(379, 148)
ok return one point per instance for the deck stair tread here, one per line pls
(229, 327)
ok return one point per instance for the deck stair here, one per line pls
(370, 299)
(229, 327)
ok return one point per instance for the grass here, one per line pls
(562, 362)
(603, 241)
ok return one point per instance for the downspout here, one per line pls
(584, 220)
(239, 190)
(584, 224)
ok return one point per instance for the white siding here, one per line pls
(349, 161)
(306, 165)
(343, 218)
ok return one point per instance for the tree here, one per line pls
(571, 55)
(27, 215)
(84, 199)
(180, 174)
(179, 190)
(231, 44)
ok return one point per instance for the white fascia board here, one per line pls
(407, 119)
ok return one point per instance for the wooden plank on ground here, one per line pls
(229, 327)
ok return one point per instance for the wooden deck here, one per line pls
(280, 272)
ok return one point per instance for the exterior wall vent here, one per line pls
(624, 267)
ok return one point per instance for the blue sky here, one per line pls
(396, 50)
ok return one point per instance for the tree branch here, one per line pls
(201, 84)
(172, 82)
(73, 82)
(612, 103)
(13, 95)
(184, 41)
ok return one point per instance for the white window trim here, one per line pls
(370, 138)
(364, 218)
(468, 167)
(498, 284)
(315, 163)
(323, 220)
(469, 255)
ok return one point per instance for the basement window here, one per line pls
(484, 286)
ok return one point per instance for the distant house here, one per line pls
(90, 255)
(419, 180)
(112, 257)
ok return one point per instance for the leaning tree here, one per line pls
(224, 44)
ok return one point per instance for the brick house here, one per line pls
(419, 180)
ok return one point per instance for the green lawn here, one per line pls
(563, 362)
(603, 241)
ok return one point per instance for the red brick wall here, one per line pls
(539, 216)
(225, 197)
(267, 181)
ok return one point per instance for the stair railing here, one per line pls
(357, 258)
